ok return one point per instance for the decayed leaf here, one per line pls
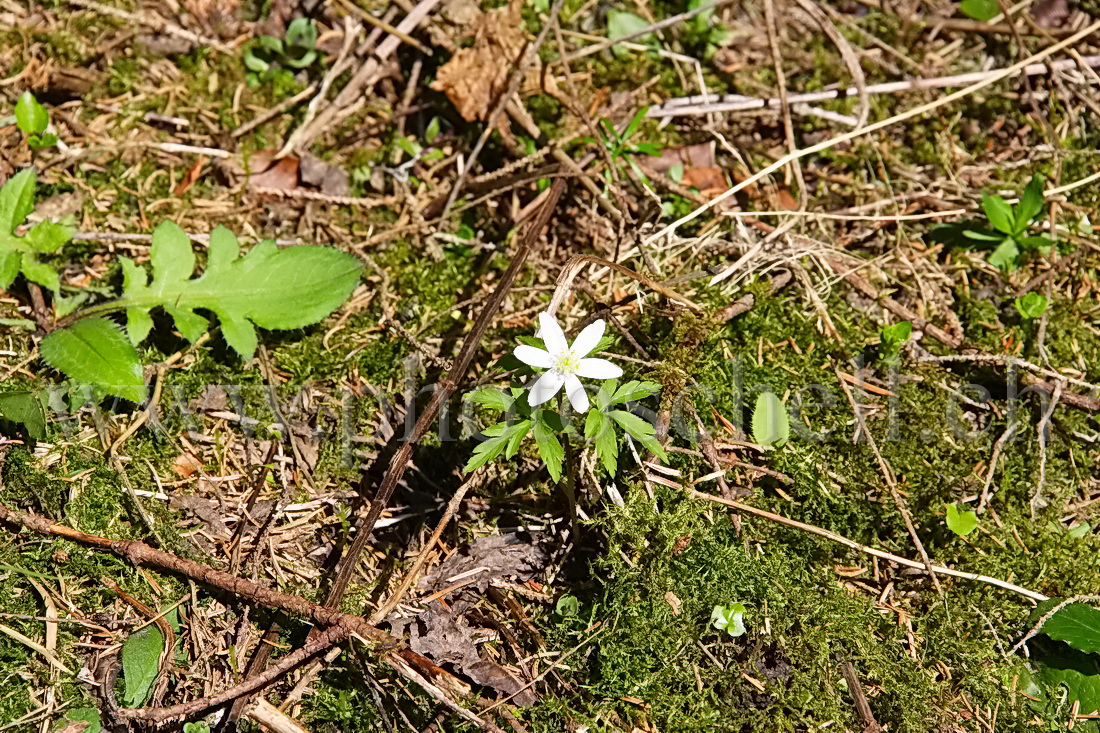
(475, 77)
(193, 174)
(186, 464)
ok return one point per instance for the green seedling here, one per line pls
(960, 522)
(267, 287)
(33, 120)
(702, 30)
(730, 619)
(892, 338)
(620, 149)
(770, 423)
(1010, 242)
(20, 253)
(1031, 306)
(296, 51)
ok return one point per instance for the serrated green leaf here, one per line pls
(515, 435)
(37, 142)
(140, 664)
(25, 407)
(640, 430)
(492, 398)
(49, 236)
(16, 200)
(30, 116)
(1078, 625)
(634, 391)
(268, 287)
(1006, 256)
(550, 449)
(999, 213)
(770, 424)
(599, 429)
(1031, 203)
(94, 351)
(501, 436)
(961, 523)
(85, 715)
(1071, 676)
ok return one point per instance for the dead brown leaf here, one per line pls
(475, 77)
(185, 464)
(269, 172)
(190, 177)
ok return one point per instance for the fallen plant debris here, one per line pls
(453, 365)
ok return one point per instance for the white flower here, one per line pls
(565, 363)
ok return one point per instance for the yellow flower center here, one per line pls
(567, 362)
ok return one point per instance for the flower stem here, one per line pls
(570, 485)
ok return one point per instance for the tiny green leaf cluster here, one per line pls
(33, 119)
(21, 253)
(1010, 241)
(892, 338)
(295, 51)
(730, 619)
(1031, 305)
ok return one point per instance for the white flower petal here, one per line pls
(551, 334)
(534, 357)
(589, 338)
(545, 387)
(598, 369)
(575, 391)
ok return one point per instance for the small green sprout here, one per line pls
(770, 424)
(270, 54)
(567, 606)
(1031, 306)
(619, 147)
(892, 338)
(1011, 223)
(729, 618)
(620, 24)
(960, 522)
(983, 10)
(33, 119)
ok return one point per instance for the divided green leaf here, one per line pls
(770, 424)
(1031, 203)
(95, 351)
(140, 664)
(550, 449)
(267, 287)
(502, 437)
(85, 715)
(638, 429)
(961, 523)
(599, 428)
